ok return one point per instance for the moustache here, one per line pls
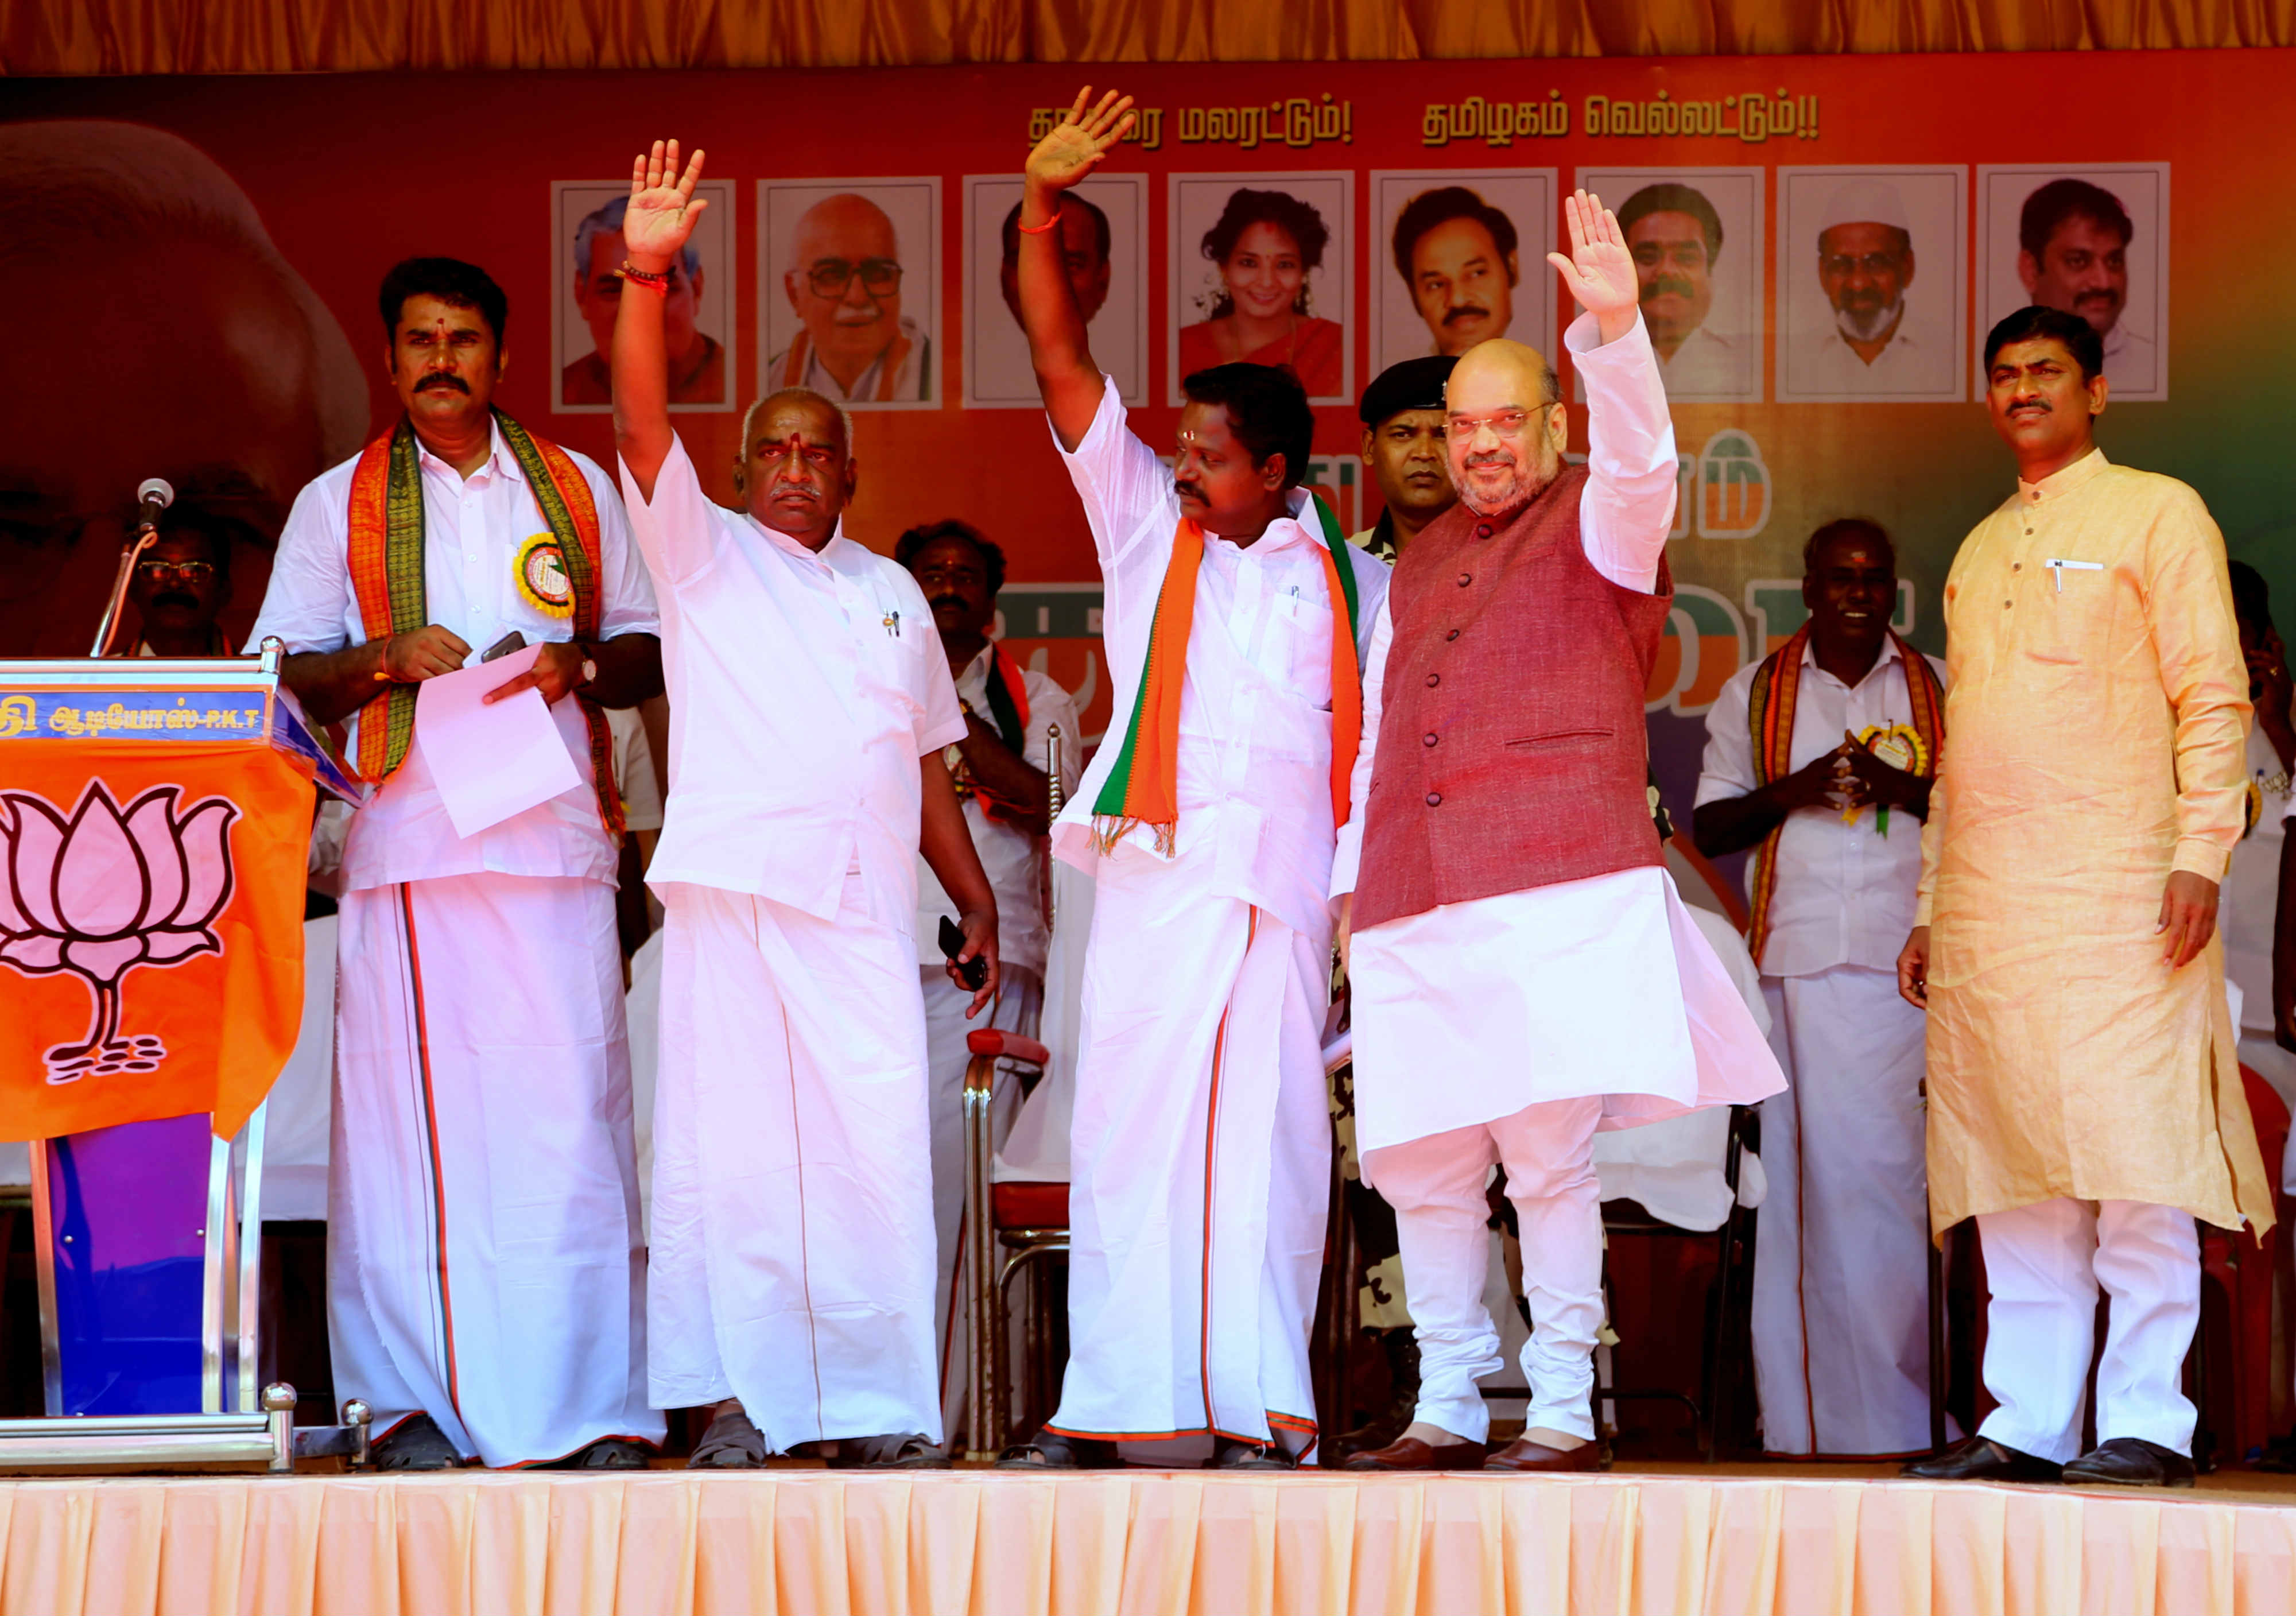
(1669, 286)
(443, 380)
(176, 597)
(1464, 311)
(1492, 458)
(1189, 490)
(939, 601)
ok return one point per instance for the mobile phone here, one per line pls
(973, 972)
(502, 647)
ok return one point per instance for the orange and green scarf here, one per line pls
(386, 567)
(1143, 786)
(1771, 709)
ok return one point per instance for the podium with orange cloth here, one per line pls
(155, 819)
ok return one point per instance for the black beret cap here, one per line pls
(1415, 384)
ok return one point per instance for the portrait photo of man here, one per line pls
(697, 310)
(850, 273)
(2087, 242)
(1459, 259)
(1696, 237)
(1102, 229)
(1860, 321)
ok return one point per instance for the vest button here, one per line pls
(1429, 738)
(1452, 635)
(1465, 578)
(1433, 679)
(1484, 531)
(1434, 800)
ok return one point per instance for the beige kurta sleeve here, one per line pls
(2188, 605)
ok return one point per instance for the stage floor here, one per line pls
(1667, 1540)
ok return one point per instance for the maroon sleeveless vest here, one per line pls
(1512, 751)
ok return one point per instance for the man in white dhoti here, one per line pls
(1202, 1144)
(1002, 769)
(1523, 973)
(1820, 759)
(485, 1261)
(791, 1283)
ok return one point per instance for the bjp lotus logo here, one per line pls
(1733, 487)
(101, 892)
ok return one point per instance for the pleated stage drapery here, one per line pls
(678, 1544)
(352, 36)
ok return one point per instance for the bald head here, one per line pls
(846, 226)
(1505, 425)
(844, 280)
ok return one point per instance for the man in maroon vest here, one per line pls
(1523, 973)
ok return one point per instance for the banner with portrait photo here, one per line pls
(2088, 239)
(1104, 246)
(1261, 276)
(1459, 256)
(698, 307)
(849, 280)
(1697, 240)
(1858, 320)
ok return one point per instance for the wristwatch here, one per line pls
(589, 671)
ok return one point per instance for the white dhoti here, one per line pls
(1840, 1316)
(1511, 1029)
(1200, 1152)
(2044, 1264)
(483, 1250)
(792, 1256)
(1019, 1008)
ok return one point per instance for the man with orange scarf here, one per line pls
(1200, 1149)
(486, 1265)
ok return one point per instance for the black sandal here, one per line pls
(896, 1451)
(417, 1444)
(1047, 1451)
(607, 1453)
(1250, 1455)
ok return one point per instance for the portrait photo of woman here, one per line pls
(1265, 265)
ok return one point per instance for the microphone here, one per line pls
(153, 495)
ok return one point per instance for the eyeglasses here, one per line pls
(189, 572)
(1872, 263)
(1504, 423)
(829, 277)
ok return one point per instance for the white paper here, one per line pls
(490, 762)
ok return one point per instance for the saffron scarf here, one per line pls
(1143, 786)
(1771, 709)
(385, 557)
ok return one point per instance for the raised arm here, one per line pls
(1629, 507)
(1057, 345)
(661, 217)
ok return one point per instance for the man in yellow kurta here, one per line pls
(2085, 1099)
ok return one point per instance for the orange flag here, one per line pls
(151, 930)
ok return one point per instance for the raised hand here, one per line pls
(1598, 269)
(662, 209)
(1079, 141)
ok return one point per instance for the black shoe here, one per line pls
(1251, 1455)
(2130, 1462)
(417, 1444)
(1982, 1459)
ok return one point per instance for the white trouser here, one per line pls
(1435, 1185)
(484, 1264)
(1019, 1006)
(792, 1210)
(1200, 1147)
(1840, 1315)
(2044, 1264)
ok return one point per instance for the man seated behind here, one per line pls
(1002, 770)
(1820, 759)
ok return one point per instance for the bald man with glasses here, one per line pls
(844, 282)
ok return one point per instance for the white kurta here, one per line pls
(1842, 1251)
(1916, 363)
(1200, 1149)
(1510, 1027)
(792, 1257)
(483, 1229)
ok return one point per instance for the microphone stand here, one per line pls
(156, 496)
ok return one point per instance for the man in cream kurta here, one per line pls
(1508, 1028)
(2085, 1102)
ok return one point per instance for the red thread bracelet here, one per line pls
(651, 283)
(1040, 229)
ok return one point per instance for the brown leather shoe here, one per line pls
(1409, 1452)
(1525, 1455)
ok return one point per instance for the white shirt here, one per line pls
(1008, 854)
(2250, 900)
(1914, 363)
(634, 771)
(1844, 892)
(2132, 364)
(1708, 365)
(1625, 512)
(1255, 763)
(911, 382)
(473, 528)
(803, 689)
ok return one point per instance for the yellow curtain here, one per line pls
(81, 37)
